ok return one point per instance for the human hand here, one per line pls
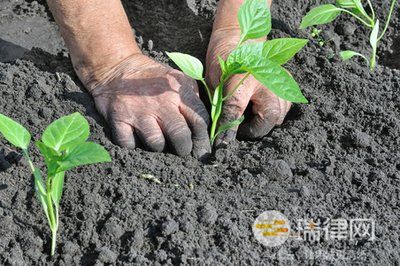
(151, 105)
(268, 110)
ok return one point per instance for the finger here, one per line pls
(123, 134)
(197, 118)
(233, 108)
(177, 133)
(256, 128)
(150, 134)
(269, 111)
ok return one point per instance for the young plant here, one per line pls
(261, 60)
(64, 146)
(316, 35)
(327, 13)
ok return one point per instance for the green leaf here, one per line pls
(222, 64)
(282, 50)
(269, 73)
(14, 132)
(216, 107)
(38, 182)
(359, 7)
(215, 101)
(47, 152)
(238, 58)
(373, 39)
(254, 19)
(82, 154)
(243, 55)
(190, 65)
(346, 55)
(57, 185)
(66, 132)
(320, 15)
(279, 51)
(277, 80)
(234, 68)
(43, 202)
(346, 4)
(51, 157)
(227, 126)
(41, 192)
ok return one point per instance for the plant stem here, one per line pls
(28, 159)
(372, 10)
(208, 90)
(240, 41)
(373, 59)
(53, 241)
(363, 57)
(213, 130)
(214, 117)
(370, 25)
(236, 87)
(53, 222)
(388, 19)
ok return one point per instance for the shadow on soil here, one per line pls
(10, 51)
(392, 60)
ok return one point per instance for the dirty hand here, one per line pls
(267, 109)
(154, 105)
(146, 103)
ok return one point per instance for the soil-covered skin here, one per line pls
(337, 157)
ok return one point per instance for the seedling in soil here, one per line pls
(316, 35)
(262, 60)
(327, 13)
(63, 146)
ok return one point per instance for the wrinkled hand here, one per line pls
(268, 110)
(152, 105)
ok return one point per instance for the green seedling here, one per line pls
(316, 35)
(262, 60)
(327, 13)
(63, 146)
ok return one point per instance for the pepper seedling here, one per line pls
(64, 146)
(327, 13)
(262, 60)
(316, 35)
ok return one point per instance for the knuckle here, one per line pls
(201, 118)
(179, 132)
(231, 111)
(235, 102)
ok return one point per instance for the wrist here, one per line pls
(131, 67)
(100, 71)
(227, 14)
(97, 34)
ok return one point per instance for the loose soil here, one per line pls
(337, 157)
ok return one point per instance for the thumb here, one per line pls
(268, 111)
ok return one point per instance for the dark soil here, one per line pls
(337, 157)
